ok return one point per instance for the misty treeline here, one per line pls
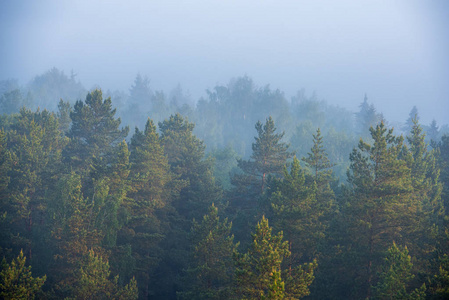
(290, 199)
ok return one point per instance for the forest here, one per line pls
(242, 194)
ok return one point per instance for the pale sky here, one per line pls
(395, 51)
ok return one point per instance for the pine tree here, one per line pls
(16, 280)
(198, 190)
(211, 268)
(441, 279)
(150, 171)
(152, 186)
(73, 229)
(258, 272)
(93, 132)
(395, 275)
(35, 146)
(427, 193)
(268, 158)
(380, 208)
(93, 281)
(186, 157)
(297, 212)
(321, 169)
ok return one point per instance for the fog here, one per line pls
(395, 51)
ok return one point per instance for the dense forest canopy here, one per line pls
(243, 194)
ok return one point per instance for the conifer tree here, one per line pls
(258, 272)
(395, 275)
(297, 212)
(321, 169)
(186, 157)
(427, 193)
(433, 131)
(93, 281)
(150, 172)
(16, 280)
(35, 146)
(412, 117)
(152, 187)
(380, 208)
(93, 132)
(211, 268)
(441, 279)
(268, 158)
(197, 191)
(73, 229)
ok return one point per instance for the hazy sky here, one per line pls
(395, 51)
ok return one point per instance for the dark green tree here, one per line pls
(186, 157)
(209, 275)
(268, 158)
(94, 131)
(321, 170)
(152, 187)
(35, 146)
(427, 193)
(380, 207)
(297, 212)
(198, 190)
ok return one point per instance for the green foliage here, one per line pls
(16, 280)
(380, 207)
(268, 158)
(441, 279)
(211, 268)
(395, 275)
(186, 156)
(94, 130)
(93, 281)
(258, 272)
(297, 212)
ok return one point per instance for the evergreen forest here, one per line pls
(242, 194)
